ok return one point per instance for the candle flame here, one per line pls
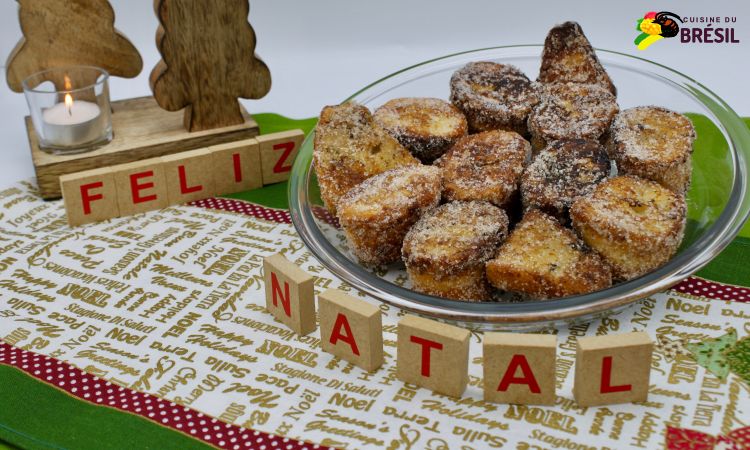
(68, 84)
(69, 103)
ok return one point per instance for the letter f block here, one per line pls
(89, 196)
(433, 355)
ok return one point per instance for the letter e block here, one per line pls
(277, 153)
(236, 166)
(141, 186)
(433, 355)
(519, 368)
(612, 369)
(290, 296)
(89, 196)
(351, 329)
(189, 176)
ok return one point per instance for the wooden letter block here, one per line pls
(277, 153)
(433, 355)
(236, 167)
(519, 368)
(141, 186)
(89, 196)
(351, 329)
(189, 176)
(290, 296)
(612, 369)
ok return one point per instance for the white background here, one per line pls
(321, 51)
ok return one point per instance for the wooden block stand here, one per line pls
(141, 130)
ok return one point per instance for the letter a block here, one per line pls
(140, 186)
(189, 176)
(519, 368)
(290, 296)
(433, 355)
(612, 369)
(277, 153)
(89, 196)
(351, 329)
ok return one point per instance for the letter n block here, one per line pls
(612, 369)
(433, 355)
(351, 329)
(141, 186)
(277, 153)
(236, 166)
(189, 176)
(290, 296)
(89, 196)
(519, 368)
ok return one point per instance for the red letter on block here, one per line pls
(285, 298)
(427, 345)
(237, 167)
(136, 187)
(86, 199)
(527, 378)
(184, 188)
(606, 387)
(336, 335)
(288, 147)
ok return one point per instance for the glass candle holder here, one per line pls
(70, 108)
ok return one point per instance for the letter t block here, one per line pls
(290, 295)
(433, 355)
(519, 368)
(351, 329)
(612, 369)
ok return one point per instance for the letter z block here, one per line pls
(89, 196)
(519, 368)
(433, 355)
(277, 153)
(351, 329)
(236, 166)
(189, 176)
(612, 369)
(141, 186)
(290, 296)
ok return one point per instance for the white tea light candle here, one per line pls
(72, 123)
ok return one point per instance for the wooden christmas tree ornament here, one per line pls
(208, 61)
(59, 33)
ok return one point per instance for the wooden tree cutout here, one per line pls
(208, 61)
(60, 33)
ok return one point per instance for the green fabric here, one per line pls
(42, 417)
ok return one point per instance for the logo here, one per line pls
(655, 27)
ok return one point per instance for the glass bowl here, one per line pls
(718, 201)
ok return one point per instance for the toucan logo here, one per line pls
(655, 26)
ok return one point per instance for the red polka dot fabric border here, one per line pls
(92, 389)
(247, 208)
(710, 289)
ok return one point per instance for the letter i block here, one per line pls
(351, 329)
(141, 186)
(519, 368)
(189, 176)
(236, 166)
(612, 369)
(290, 296)
(433, 355)
(277, 153)
(89, 196)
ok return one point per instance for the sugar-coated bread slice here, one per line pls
(493, 96)
(350, 148)
(541, 259)
(569, 57)
(484, 166)
(654, 143)
(562, 172)
(377, 213)
(571, 111)
(636, 225)
(445, 251)
(427, 127)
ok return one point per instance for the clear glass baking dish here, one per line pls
(718, 200)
